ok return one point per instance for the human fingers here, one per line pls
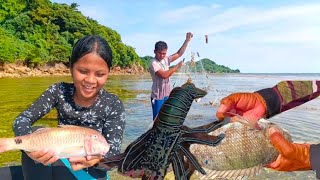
(275, 163)
(51, 160)
(93, 157)
(77, 159)
(36, 154)
(83, 162)
(284, 147)
(180, 64)
(225, 106)
(254, 114)
(76, 166)
(43, 156)
(77, 163)
(47, 158)
(189, 35)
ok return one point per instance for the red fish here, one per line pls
(66, 141)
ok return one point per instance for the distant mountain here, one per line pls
(207, 64)
(211, 67)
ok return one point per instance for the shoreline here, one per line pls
(58, 69)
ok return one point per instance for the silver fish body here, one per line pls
(65, 141)
(242, 153)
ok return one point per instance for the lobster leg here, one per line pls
(178, 167)
(110, 162)
(205, 128)
(202, 138)
(192, 159)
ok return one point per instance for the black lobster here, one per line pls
(167, 141)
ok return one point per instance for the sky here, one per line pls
(254, 36)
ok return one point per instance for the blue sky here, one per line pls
(254, 36)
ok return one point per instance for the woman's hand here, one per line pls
(78, 163)
(45, 156)
(248, 105)
(292, 156)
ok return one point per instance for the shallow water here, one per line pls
(302, 122)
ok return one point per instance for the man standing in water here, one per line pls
(160, 72)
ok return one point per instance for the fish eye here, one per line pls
(95, 136)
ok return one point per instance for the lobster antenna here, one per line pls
(189, 81)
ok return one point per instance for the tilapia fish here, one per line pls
(242, 153)
(66, 141)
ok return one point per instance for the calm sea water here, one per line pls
(302, 122)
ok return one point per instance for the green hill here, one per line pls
(35, 32)
(211, 67)
(38, 31)
(207, 64)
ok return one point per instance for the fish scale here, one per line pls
(167, 142)
(64, 141)
(243, 151)
(56, 138)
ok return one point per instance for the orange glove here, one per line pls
(250, 105)
(292, 156)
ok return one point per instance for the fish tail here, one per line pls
(6, 144)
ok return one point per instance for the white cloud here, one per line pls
(299, 35)
(94, 12)
(249, 37)
(238, 17)
(184, 14)
(215, 6)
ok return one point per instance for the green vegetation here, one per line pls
(38, 31)
(204, 64)
(211, 67)
(146, 61)
(17, 94)
(34, 32)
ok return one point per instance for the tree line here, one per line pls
(38, 31)
(35, 32)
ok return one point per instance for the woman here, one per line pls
(83, 103)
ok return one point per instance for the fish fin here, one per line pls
(70, 152)
(305, 142)
(247, 121)
(39, 129)
(6, 144)
(65, 126)
(230, 174)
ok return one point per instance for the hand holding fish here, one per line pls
(249, 105)
(292, 156)
(78, 163)
(45, 156)
(47, 145)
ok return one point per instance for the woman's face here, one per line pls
(89, 74)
